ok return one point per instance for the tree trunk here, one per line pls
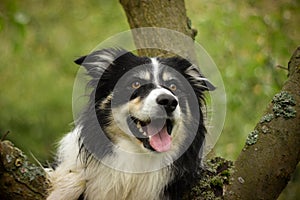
(167, 14)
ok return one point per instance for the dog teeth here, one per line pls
(138, 125)
(140, 128)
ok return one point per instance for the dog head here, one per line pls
(145, 104)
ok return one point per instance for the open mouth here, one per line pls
(155, 134)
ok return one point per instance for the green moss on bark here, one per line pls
(212, 180)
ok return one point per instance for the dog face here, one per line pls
(146, 105)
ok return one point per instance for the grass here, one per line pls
(40, 39)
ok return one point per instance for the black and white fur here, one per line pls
(100, 159)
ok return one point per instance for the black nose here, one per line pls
(168, 102)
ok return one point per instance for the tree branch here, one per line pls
(19, 178)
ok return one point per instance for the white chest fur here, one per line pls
(106, 183)
(99, 181)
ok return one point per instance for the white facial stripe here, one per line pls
(151, 98)
(155, 65)
(150, 102)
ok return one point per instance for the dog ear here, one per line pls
(98, 61)
(198, 79)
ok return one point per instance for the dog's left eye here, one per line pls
(173, 87)
(136, 85)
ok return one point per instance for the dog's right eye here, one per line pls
(136, 85)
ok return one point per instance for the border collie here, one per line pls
(140, 134)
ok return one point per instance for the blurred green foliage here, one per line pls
(39, 40)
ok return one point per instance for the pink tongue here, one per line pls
(161, 141)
